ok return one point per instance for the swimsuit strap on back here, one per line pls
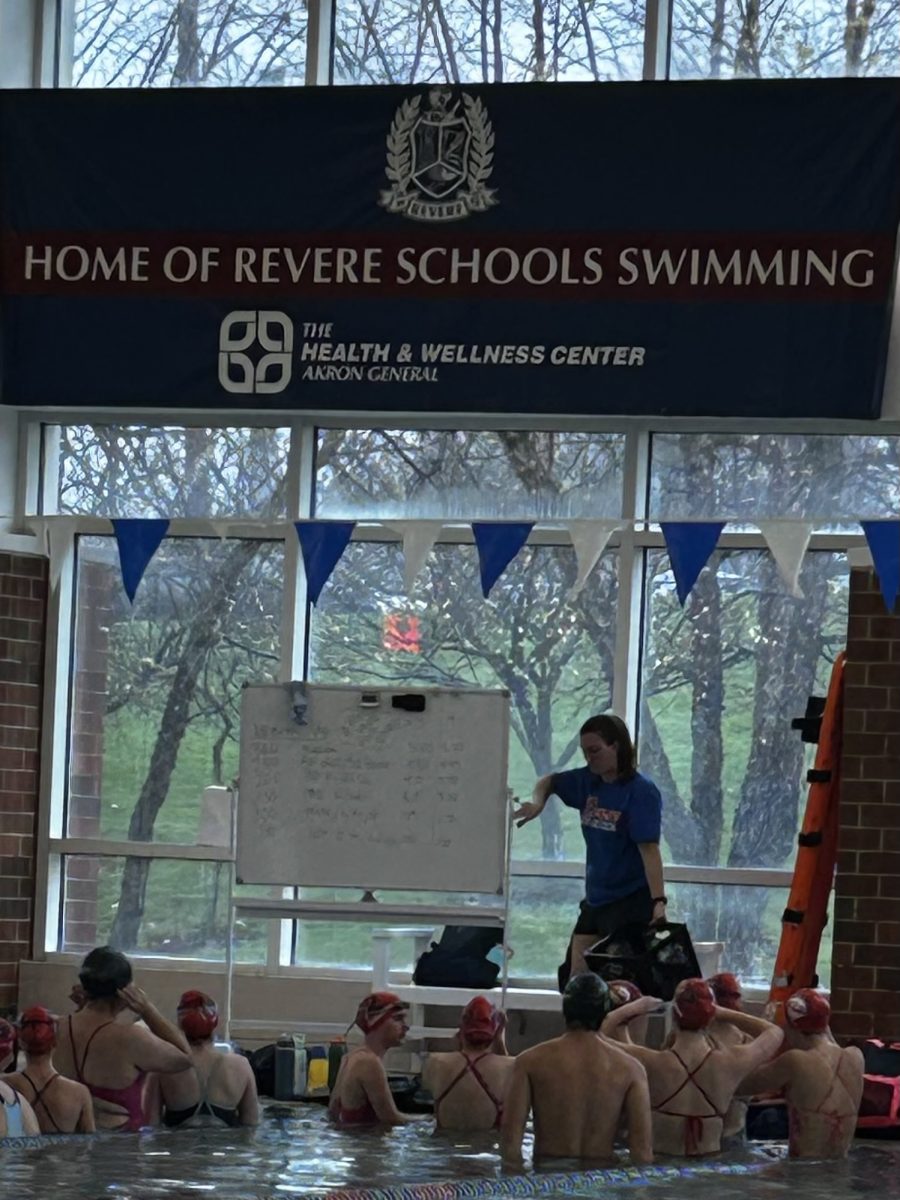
(130, 1097)
(470, 1067)
(690, 1077)
(693, 1123)
(204, 1105)
(79, 1070)
(39, 1096)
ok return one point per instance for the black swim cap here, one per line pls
(104, 972)
(586, 1001)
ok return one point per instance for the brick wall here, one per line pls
(23, 600)
(866, 958)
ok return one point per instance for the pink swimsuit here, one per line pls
(131, 1098)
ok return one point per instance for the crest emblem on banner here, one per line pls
(439, 158)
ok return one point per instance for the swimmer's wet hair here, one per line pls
(586, 1001)
(104, 972)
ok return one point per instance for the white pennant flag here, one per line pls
(589, 539)
(221, 529)
(418, 539)
(787, 542)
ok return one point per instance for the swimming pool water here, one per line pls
(301, 1155)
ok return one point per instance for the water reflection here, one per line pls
(301, 1156)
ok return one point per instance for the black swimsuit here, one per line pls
(204, 1107)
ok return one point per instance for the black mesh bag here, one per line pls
(655, 957)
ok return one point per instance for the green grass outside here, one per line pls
(177, 915)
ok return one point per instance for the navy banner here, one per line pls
(684, 249)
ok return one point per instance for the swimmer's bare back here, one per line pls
(579, 1088)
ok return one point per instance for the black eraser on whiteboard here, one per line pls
(409, 702)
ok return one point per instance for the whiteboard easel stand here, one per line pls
(272, 705)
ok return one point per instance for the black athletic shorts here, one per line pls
(604, 919)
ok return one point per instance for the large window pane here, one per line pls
(399, 41)
(156, 471)
(722, 680)
(188, 43)
(785, 38)
(349, 944)
(184, 912)
(733, 928)
(461, 474)
(156, 693)
(750, 475)
(555, 655)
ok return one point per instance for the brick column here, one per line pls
(865, 996)
(23, 614)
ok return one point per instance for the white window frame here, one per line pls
(55, 29)
(637, 535)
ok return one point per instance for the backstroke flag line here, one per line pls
(589, 539)
(418, 539)
(787, 541)
(498, 544)
(138, 540)
(689, 543)
(322, 543)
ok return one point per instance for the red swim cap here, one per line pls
(375, 1009)
(808, 1011)
(197, 1016)
(37, 1030)
(726, 990)
(480, 1021)
(623, 991)
(694, 1005)
(8, 1040)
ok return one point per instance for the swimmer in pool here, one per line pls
(723, 1035)
(111, 1059)
(822, 1083)
(579, 1088)
(361, 1094)
(60, 1105)
(220, 1088)
(469, 1084)
(692, 1083)
(16, 1116)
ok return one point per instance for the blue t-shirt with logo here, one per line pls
(615, 817)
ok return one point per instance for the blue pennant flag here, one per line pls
(884, 542)
(689, 543)
(322, 544)
(498, 544)
(138, 540)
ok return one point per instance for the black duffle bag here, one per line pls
(655, 957)
(459, 959)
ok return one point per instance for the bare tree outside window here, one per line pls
(189, 43)
(783, 39)
(489, 41)
(156, 686)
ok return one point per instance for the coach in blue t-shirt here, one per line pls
(620, 820)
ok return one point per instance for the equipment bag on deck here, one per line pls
(459, 959)
(655, 957)
(879, 1109)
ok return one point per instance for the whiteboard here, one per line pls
(370, 795)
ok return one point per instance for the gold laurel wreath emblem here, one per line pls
(477, 197)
